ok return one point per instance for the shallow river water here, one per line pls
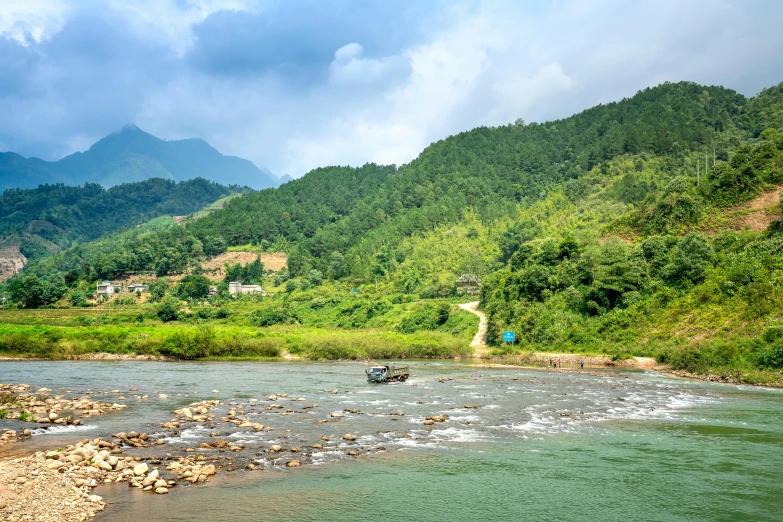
(538, 445)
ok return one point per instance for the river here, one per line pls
(535, 445)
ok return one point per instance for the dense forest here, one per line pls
(59, 216)
(622, 229)
(360, 215)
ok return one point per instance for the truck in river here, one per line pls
(386, 373)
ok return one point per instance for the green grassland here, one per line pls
(313, 326)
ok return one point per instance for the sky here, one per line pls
(297, 84)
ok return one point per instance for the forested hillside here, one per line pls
(58, 216)
(360, 214)
(646, 226)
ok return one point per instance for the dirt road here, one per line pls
(478, 344)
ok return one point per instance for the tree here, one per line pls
(158, 290)
(690, 260)
(315, 277)
(29, 291)
(336, 268)
(78, 298)
(168, 310)
(614, 273)
(194, 287)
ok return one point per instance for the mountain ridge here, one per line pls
(130, 155)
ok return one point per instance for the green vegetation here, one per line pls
(627, 229)
(300, 324)
(57, 216)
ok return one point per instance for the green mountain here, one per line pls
(131, 155)
(52, 217)
(649, 226)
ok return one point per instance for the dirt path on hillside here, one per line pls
(478, 344)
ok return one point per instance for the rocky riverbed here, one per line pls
(195, 430)
(57, 484)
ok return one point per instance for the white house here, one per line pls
(235, 288)
(105, 289)
(137, 287)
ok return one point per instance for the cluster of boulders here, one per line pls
(141, 477)
(242, 422)
(429, 421)
(137, 440)
(198, 411)
(19, 402)
(92, 462)
(192, 470)
(221, 445)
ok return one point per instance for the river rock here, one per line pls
(293, 464)
(208, 470)
(140, 469)
(53, 416)
(161, 490)
(348, 436)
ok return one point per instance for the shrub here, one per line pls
(270, 318)
(771, 356)
(168, 311)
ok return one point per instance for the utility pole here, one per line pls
(698, 180)
(706, 164)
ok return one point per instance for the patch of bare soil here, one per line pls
(272, 261)
(760, 212)
(11, 261)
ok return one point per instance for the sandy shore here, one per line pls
(572, 361)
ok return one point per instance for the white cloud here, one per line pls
(37, 18)
(491, 63)
(350, 69)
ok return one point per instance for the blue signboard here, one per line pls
(508, 337)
